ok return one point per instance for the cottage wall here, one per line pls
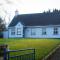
(32, 32)
(5, 34)
(18, 26)
(37, 32)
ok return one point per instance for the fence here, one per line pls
(25, 54)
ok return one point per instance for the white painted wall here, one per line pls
(5, 34)
(38, 31)
(19, 25)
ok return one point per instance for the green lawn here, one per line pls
(42, 46)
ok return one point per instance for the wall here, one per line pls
(19, 25)
(38, 32)
(5, 34)
(28, 32)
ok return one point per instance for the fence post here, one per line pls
(5, 54)
(8, 55)
(34, 54)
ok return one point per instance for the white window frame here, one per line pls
(18, 31)
(44, 32)
(55, 32)
(12, 31)
(33, 31)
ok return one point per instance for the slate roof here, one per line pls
(37, 19)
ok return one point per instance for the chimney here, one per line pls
(16, 13)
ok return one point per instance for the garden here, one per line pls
(42, 46)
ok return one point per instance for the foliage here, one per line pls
(2, 25)
(56, 11)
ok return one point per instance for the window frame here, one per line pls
(18, 31)
(33, 31)
(13, 31)
(55, 32)
(44, 31)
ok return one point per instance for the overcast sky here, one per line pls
(27, 6)
(30, 6)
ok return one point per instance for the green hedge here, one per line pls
(1, 52)
(1, 35)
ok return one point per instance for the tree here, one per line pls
(2, 25)
(55, 11)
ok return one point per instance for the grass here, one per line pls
(42, 46)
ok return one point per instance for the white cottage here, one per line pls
(38, 25)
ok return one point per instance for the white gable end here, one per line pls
(16, 31)
(19, 24)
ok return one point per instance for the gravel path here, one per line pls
(55, 55)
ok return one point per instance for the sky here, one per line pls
(8, 7)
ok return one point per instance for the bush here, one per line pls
(1, 35)
(1, 51)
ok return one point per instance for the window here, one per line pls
(33, 32)
(18, 31)
(43, 31)
(13, 31)
(55, 31)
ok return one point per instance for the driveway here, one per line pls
(55, 55)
